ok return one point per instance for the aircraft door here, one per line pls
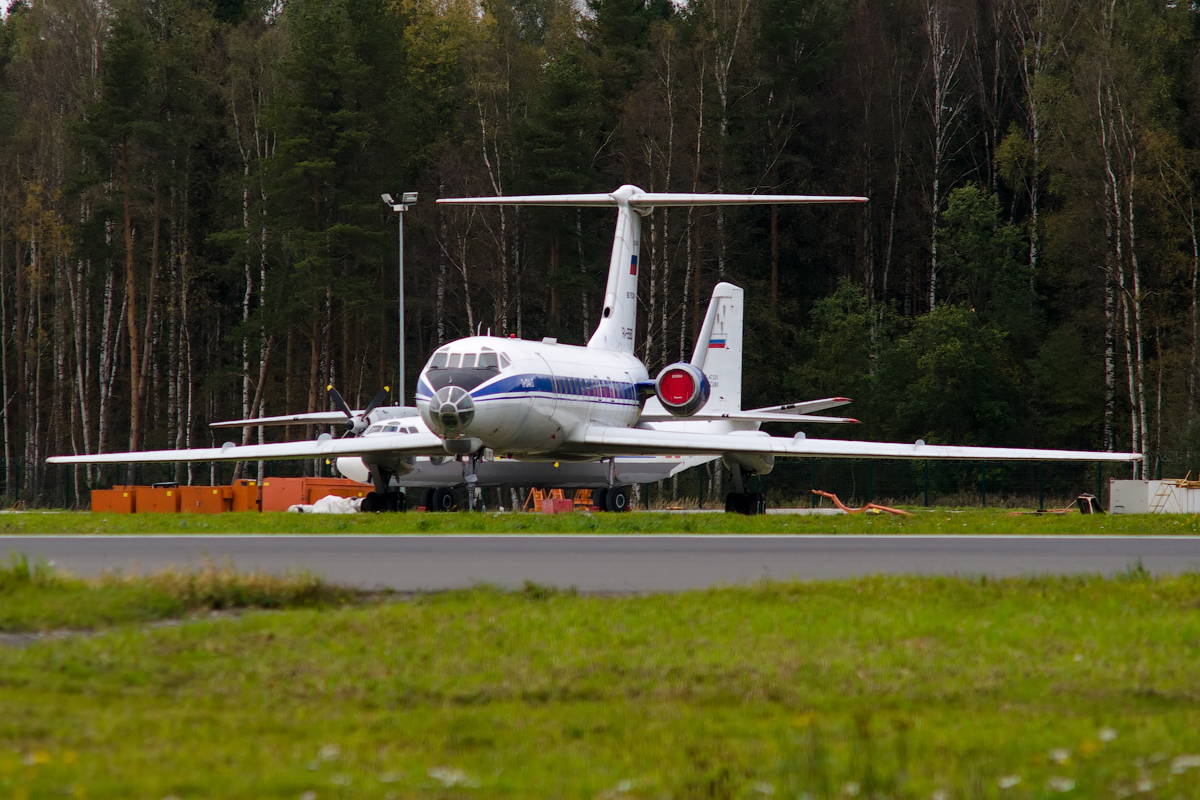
(543, 430)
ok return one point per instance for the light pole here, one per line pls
(406, 200)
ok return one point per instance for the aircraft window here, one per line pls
(390, 428)
(504, 362)
(438, 361)
(374, 429)
(488, 360)
(454, 359)
(468, 361)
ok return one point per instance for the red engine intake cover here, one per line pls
(682, 389)
(678, 387)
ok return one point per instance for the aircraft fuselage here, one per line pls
(523, 398)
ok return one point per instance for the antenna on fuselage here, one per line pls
(618, 319)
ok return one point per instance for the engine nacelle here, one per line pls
(682, 389)
(354, 468)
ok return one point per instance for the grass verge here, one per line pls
(34, 597)
(882, 687)
(922, 521)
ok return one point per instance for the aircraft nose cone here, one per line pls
(451, 411)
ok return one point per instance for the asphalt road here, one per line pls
(613, 563)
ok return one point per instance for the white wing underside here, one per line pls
(607, 441)
(397, 444)
(313, 418)
(749, 416)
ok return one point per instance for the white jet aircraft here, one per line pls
(440, 478)
(545, 401)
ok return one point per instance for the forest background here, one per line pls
(191, 229)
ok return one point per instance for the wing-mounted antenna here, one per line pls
(618, 319)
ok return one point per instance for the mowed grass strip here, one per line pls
(882, 687)
(922, 521)
(35, 597)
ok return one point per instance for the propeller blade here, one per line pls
(338, 401)
(377, 399)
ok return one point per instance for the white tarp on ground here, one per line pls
(330, 504)
(1172, 496)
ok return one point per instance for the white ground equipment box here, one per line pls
(1171, 496)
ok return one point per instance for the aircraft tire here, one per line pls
(426, 500)
(397, 501)
(747, 503)
(373, 503)
(600, 499)
(617, 499)
(443, 499)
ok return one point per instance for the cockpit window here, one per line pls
(374, 429)
(455, 358)
(391, 428)
(504, 362)
(488, 360)
(438, 361)
(468, 361)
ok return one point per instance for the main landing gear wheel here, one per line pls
(617, 499)
(600, 499)
(443, 499)
(748, 503)
(426, 499)
(374, 502)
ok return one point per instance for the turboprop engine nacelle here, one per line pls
(682, 389)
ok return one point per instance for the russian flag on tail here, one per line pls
(717, 343)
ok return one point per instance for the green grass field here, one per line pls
(923, 521)
(884, 687)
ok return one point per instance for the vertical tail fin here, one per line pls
(618, 319)
(719, 349)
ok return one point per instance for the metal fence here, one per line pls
(1046, 484)
(855, 481)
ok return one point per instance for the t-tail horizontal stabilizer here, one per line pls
(618, 320)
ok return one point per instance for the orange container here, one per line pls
(316, 488)
(553, 505)
(147, 499)
(245, 496)
(280, 493)
(204, 499)
(118, 500)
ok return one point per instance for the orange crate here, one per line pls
(245, 496)
(151, 500)
(280, 493)
(556, 505)
(316, 488)
(204, 499)
(118, 500)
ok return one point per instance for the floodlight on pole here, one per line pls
(406, 199)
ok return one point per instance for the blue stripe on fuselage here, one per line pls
(590, 389)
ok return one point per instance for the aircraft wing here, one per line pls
(752, 416)
(807, 407)
(313, 418)
(617, 441)
(403, 444)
